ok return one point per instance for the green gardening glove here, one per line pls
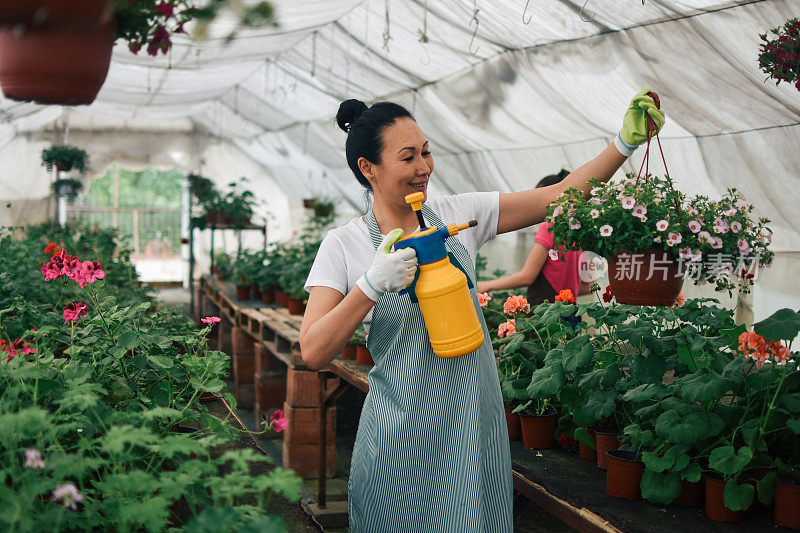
(634, 124)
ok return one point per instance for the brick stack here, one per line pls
(301, 438)
(243, 365)
(270, 381)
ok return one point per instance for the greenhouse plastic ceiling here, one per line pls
(506, 91)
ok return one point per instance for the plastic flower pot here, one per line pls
(787, 504)
(363, 357)
(513, 423)
(606, 441)
(55, 65)
(268, 296)
(631, 285)
(296, 307)
(625, 471)
(537, 431)
(587, 453)
(243, 292)
(255, 292)
(691, 494)
(281, 298)
(715, 501)
(349, 351)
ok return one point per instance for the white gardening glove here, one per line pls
(390, 271)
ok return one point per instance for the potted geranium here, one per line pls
(64, 158)
(652, 235)
(779, 57)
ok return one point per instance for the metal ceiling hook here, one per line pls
(527, 3)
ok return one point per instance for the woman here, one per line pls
(547, 271)
(431, 451)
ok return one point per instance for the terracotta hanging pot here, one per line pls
(787, 504)
(715, 501)
(606, 441)
(76, 14)
(537, 431)
(363, 356)
(349, 352)
(647, 278)
(55, 65)
(296, 307)
(624, 476)
(513, 423)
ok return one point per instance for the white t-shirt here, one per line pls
(346, 252)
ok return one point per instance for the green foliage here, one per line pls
(66, 156)
(66, 187)
(110, 403)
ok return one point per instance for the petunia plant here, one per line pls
(713, 241)
(779, 54)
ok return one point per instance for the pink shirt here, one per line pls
(560, 274)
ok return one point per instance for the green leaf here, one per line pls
(678, 428)
(657, 464)
(765, 487)
(727, 461)
(159, 361)
(738, 497)
(128, 340)
(601, 404)
(514, 344)
(692, 473)
(285, 482)
(660, 488)
(794, 425)
(703, 386)
(213, 520)
(546, 382)
(264, 524)
(643, 392)
(732, 335)
(783, 324)
(582, 435)
(689, 358)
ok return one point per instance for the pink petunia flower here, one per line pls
(736, 226)
(606, 230)
(694, 226)
(594, 213)
(717, 243)
(574, 224)
(68, 496)
(210, 320)
(552, 254)
(677, 238)
(662, 225)
(628, 202)
(33, 459)
(744, 246)
(639, 211)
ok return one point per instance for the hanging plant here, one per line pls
(779, 57)
(64, 158)
(67, 187)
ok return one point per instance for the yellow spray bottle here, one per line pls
(442, 289)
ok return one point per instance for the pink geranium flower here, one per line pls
(74, 310)
(277, 422)
(210, 320)
(483, 298)
(87, 272)
(507, 328)
(516, 303)
(680, 300)
(68, 496)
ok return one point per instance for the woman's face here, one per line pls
(406, 163)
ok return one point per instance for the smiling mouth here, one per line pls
(418, 186)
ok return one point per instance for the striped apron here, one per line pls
(431, 451)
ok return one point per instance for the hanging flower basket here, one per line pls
(55, 65)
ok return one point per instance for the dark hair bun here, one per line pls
(349, 111)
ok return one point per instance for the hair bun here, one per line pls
(349, 111)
